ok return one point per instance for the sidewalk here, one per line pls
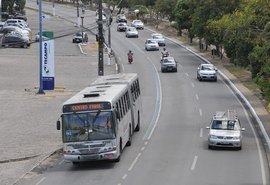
(28, 121)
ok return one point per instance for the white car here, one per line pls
(207, 72)
(132, 32)
(151, 44)
(8, 29)
(225, 130)
(159, 38)
(138, 24)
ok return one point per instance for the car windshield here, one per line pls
(78, 34)
(138, 22)
(151, 41)
(168, 60)
(131, 29)
(157, 37)
(207, 67)
(88, 126)
(225, 125)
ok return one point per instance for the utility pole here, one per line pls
(109, 18)
(100, 40)
(0, 10)
(53, 5)
(82, 30)
(78, 14)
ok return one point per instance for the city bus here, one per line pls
(99, 121)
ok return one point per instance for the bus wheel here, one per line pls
(129, 136)
(137, 129)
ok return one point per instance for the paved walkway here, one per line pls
(28, 121)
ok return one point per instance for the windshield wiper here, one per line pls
(96, 116)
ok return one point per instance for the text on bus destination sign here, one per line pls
(86, 107)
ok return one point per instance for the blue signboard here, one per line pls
(48, 64)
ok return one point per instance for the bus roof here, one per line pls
(117, 78)
(97, 93)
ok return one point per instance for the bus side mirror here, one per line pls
(58, 127)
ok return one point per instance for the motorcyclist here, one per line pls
(164, 53)
(130, 56)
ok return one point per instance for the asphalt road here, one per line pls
(171, 147)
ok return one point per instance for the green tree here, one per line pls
(182, 14)
(210, 10)
(20, 4)
(7, 6)
(165, 8)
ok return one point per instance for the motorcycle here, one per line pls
(130, 59)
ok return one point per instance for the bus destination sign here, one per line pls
(86, 107)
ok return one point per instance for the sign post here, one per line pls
(48, 61)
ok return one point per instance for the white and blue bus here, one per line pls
(99, 121)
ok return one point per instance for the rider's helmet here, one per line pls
(164, 49)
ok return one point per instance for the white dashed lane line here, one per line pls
(124, 177)
(200, 111)
(197, 97)
(194, 163)
(134, 162)
(40, 181)
(201, 132)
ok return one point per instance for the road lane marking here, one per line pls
(123, 67)
(40, 181)
(146, 142)
(187, 74)
(134, 162)
(200, 110)
(156, 114)
(197, 96)
(61, 162)
(194, 163)
(263, 172)
(192, 84)
(201, 132)
(124, 177)
(143, 148)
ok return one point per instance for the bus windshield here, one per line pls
(88, 126)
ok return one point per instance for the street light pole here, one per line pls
(100, 40)
(109, 32)
(40, 91)
(53, 5)
(82, 27)
(78, 14)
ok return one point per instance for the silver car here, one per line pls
(159, 38)
(138, 24)
(122, 26)
(168, 64)
(207, 72)
(151, 44)
(132, 32)
(225, 130)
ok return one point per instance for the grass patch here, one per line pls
(243, 76)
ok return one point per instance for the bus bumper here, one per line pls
(92, 157)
